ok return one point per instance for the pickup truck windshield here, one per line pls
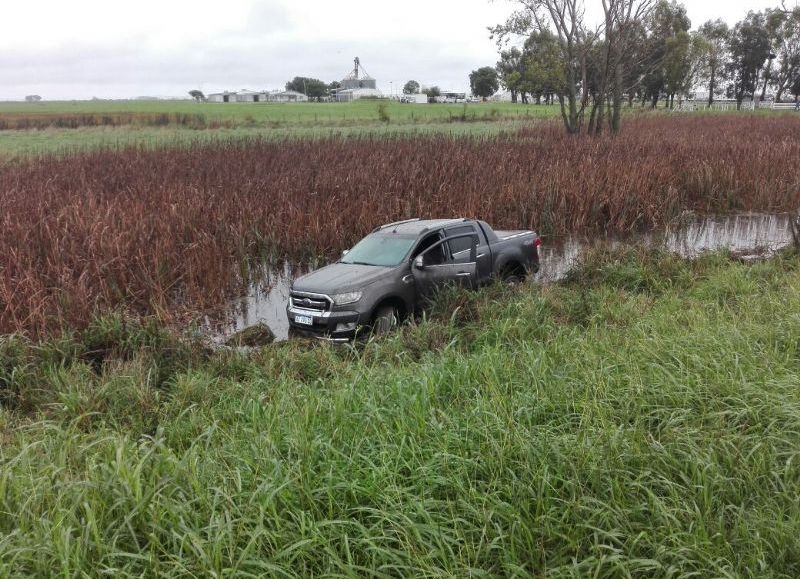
(382, 250)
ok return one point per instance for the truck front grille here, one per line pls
(310, 302)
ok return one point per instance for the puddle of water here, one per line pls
(266, 301)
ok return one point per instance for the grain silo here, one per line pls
(357, 84)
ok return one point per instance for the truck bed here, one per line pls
(503, 235)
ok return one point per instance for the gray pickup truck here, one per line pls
(390, 273)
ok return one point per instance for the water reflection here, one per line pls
(266, 301)
(739, 233)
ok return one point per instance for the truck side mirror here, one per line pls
(418, 262)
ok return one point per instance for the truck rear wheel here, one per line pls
(386, 319)
(513, 276)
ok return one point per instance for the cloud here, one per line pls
(118, 50)
(230, 62)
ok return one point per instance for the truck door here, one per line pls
(460, 249)
(435, 267)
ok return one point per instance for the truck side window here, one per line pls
(435, 256)
(463, 244)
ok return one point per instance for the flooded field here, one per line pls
(171, 232)
(751, 233)
(746, 234)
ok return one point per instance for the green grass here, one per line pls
(262, 120)
(268, 120)
(66, 141)
(641, 420)
(314, 114)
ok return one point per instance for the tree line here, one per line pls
(642, 51)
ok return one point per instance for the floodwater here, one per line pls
(743, 234)
(752, 233)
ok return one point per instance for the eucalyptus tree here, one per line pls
(510, 70)
(666, 46)
(579, 47)
(565, 20)
(783, 27)
(622, 26)
(749, 49)
(713, 39)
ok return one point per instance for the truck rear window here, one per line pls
(462, 244)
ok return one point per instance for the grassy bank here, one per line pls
(642, 419)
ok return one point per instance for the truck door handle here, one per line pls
(480, 255)
(463, 274)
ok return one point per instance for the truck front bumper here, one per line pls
(337, 326)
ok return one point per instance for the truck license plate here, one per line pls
(307, 320)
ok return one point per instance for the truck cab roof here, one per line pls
(416, 226)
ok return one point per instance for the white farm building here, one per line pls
(253, 96)
(286, 96)
(222, 97)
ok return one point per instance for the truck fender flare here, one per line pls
(506, 262)
(392, 299)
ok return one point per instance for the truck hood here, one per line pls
(339, 278)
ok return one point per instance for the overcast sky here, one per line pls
(77, 49)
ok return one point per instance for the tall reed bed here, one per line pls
(162, 230)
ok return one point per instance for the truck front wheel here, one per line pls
(385, 320)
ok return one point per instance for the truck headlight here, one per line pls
(348, 298)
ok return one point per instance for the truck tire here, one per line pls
(512, 277)
(385, 320)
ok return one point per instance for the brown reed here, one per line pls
(17, 121)
(166, 231)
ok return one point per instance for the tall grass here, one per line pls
(611, 428)
(19, 121)
(285, 114)
(162, 230)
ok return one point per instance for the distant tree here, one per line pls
(713, 44)
(623, 23)
(311, 87)
(749, 49)
(542, 73)
(587, 58)
(432, 92)
(564, 20)
(484, 82)
(795, 88)
(636, 66)
(783, 27)
(510, 70)
(334, 85)
(197, 95)
(411, 87)
(33, 98)
(666, 47)
(681, 63)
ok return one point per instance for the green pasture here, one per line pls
(290, 113)
(259, 120)
(63, 141)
